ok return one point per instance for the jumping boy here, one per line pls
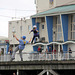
(35, 31)
(20, 47)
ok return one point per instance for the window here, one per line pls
(35, 1)
(13, 30)
(42, 26)
(73, 27)
(58, 20)
(73, 18)
(10, 23)
(59, 36)
(17, 22)
(51, 1)
(29, 28)
(2, 51)
(42, 19)
(58, 29)
(21, 28)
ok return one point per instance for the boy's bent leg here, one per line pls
(38, 37)
(20, 52)
(32, 39)
(13, 55)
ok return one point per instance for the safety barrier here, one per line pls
(40, 56)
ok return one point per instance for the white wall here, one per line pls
(42, 5)
(28, 48)
(64, 2)
(43, 32)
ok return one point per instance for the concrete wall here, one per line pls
(43, 5)
(64, 2)
(38, 65)
(43, 32)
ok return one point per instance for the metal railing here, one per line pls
(40, 56)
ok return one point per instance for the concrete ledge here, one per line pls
(37, 62)
(37, 65)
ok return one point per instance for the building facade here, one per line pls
(43, 5)
(60, 24)
(20, 28)
(4, 45)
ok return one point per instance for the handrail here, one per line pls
(41, 56)
(58, 43)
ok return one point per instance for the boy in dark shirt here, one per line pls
(35, 31)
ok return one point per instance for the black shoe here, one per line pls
(12, 59)
(31, 43)
(21, 59)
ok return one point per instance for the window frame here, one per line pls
(57, 31)
(43, 26)
(72, 26)
(28, 27)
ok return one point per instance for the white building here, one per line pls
(43, 5)
(3, 45)
(48, 21)
(59, 19)
(21, 28)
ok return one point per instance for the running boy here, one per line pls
(20, 47)
(35, 31)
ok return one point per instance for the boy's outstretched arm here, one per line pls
(16, 37)
(37, 31)
(29, 41)
(29, 32)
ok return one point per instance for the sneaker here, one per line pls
(31, 43)
(21, 59)
(12, 59)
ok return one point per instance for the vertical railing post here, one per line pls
(53, 51)
(32, 56)
(39, 56)
(59, 54)
(17, 72)
(68, 55)
(46, 56)
(47, 72)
